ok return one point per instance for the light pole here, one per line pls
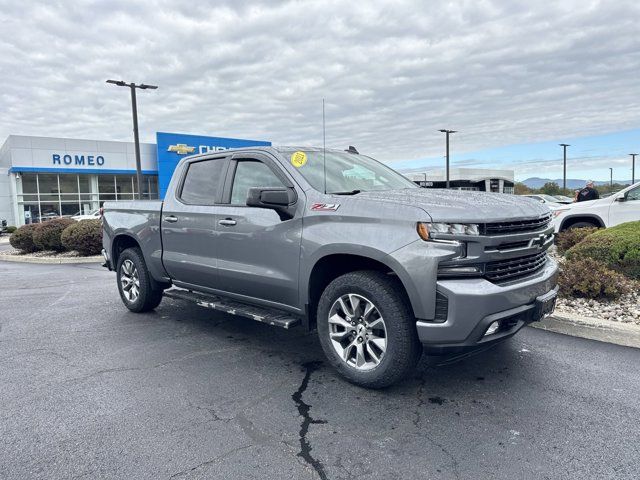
(564, 167)
(611, 182)
(447, 132)
(134, 108)
(633, 167)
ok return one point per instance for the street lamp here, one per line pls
(564, 168)
(134, 108)
(447, 132)
(611, 172)
(633, 167)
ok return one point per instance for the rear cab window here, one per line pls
(202, 182)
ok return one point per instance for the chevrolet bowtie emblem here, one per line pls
(181, 149)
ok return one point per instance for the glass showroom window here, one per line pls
(28, 198)
(124, 187)
(69, 194)
(106, 188)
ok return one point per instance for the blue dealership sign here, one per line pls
(173, 147)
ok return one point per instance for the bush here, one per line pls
(22, 239)
(10, 229)
(567, 239)
(85, 237)
(617, 247)
(46, 235)
(589, 278)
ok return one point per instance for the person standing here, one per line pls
(588, 192)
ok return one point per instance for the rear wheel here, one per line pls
(367, 329)
(137, 290)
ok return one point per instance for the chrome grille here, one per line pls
(518, 226)
(515, 267)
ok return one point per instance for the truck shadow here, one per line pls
(295, 346)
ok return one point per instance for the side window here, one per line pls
(249, 174)
(634, 194)
(202, 182)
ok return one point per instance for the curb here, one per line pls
(624, 334)
(50, 261)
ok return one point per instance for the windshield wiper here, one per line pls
(352, 192)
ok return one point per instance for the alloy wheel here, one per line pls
(129, 281)
(357, 331)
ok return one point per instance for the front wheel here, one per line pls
(137, 290)
(367, 329)
(582, 225)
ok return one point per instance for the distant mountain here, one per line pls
(572, 183)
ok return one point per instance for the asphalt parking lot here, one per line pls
(89, 390)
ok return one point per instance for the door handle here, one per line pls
(171, 219)
(227, 222)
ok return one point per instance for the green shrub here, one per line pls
(567, 239)
(46, 235)
(22, 238)
(85, 237)
(589, 278)
(617, 247)
(10, 229)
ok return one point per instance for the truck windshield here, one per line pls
(346, 173)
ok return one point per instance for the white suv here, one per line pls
(620, 207)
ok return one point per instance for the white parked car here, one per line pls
(542, 198)
(621, 207)
(95, 215)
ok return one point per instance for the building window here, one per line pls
(44, 196)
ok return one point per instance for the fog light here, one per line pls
(493, 328)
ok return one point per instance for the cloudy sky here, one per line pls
(514, 77)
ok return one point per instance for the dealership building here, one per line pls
(45, 177)
(473, 179)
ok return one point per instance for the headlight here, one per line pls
(428, 231)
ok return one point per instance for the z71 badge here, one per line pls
(325, 207)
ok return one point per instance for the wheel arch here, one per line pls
(119, 244)
(583, 217)
(330, 266)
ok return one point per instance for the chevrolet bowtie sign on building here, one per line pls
(173, 147)
(181, 149)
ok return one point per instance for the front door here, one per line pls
(188, 222)
(627, 211)
(258, 253)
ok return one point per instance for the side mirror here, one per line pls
(280, 199)
(622, 199)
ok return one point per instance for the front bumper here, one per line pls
(473, 304)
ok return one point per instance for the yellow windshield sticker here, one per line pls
(298, 159)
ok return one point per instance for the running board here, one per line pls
(260, 314)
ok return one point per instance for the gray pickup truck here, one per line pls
(338, 242)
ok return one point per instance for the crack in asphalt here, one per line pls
(187, 471)
(419, 393)
(307, 420)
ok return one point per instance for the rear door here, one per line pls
(189, 225)
(258, 252)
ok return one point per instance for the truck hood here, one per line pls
(461, 206)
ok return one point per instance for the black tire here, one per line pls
(582, 225)
(403, 349)
(149, 296)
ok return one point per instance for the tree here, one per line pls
(521, 189)
(551, 188)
